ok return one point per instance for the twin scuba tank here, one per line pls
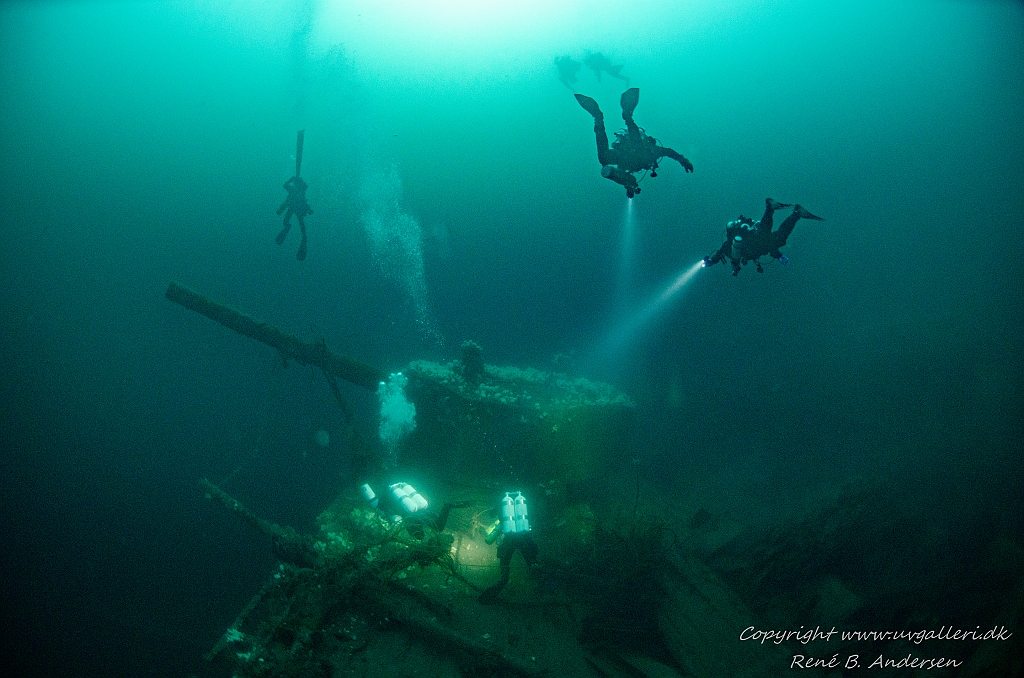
(403, 494)
(514, 517)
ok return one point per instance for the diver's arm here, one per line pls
(666, 152)
(718, 256)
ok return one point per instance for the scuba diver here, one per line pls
(513, 528)
(402, 503)
(633, 150)
(747, 240)
(295, 203)
(598, 62)
(567, 70)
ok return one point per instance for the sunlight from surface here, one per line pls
(458, 38)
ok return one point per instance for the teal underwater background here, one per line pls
(457, 196)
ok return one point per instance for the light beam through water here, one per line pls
(617, 339)
(622, 291)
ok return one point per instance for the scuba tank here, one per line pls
(513, 518)
(508, 514)
(621, 177)
(522, 523)
(403, 496)
(421, 502)
(407, 496)
(513, 514)
(736, 252)
(369, 495)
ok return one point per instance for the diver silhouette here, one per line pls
(633, 150)
(598, 62)
(295, 203)
(747, 240)
(567, 70)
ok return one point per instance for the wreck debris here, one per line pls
(301, 621)
(290, 346)
(289, 545)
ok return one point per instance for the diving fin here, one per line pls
(629, 99)
(589, 105)
(299, 138)
(283, 234)
(804, 214)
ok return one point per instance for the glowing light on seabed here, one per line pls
(617, 339)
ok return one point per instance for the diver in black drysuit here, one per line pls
(296, 204)
(415, 522)
(510, 543)
(598, 62)
(633, 150)
(567, 70)
(747, 240)
(510, 538)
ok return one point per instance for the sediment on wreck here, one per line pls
(545, 425)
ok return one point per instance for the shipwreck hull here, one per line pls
(536, 426)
